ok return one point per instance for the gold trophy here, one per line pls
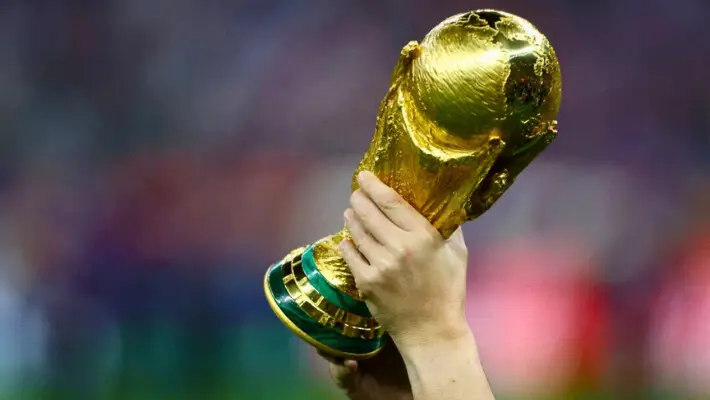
(467, 110)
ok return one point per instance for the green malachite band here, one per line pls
(331, 293)
(309, 326)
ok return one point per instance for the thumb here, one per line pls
(457, 243)
(457, 238)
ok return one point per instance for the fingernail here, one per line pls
(362, 176)
(351, 365)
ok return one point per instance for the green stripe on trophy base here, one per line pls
(308, 329)
(331, 293)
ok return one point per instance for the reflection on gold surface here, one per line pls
(327, 314)
(467, 110)
(332, 266)
(308, 338)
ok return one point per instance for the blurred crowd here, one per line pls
(157, 156)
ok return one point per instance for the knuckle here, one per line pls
(355, 198)
(361, 281)
(385, 260)
(391, 200)
(399, 253)
(367, 282)
(376, 280)
(354, 229)
(363, 219)
(390, 263)
(360, 244)
(428, 238)
(365, 289)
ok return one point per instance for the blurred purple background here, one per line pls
(158, 155)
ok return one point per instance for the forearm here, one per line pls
(446, 369)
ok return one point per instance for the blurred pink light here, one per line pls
(534, 326)
(679, 344)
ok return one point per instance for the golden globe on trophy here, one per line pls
(467, 110)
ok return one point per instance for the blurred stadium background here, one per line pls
(158, 155)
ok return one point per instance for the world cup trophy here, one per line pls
(467, 110)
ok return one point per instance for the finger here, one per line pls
(391, 203)
(365, 243)
(344, 375)
(357, 263)
(351, 365)
(373, 220)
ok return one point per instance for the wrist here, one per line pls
(448, 365)
(438, 337)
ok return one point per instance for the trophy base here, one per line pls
(298, 312)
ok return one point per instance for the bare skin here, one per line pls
(414, 283)
(381, 378)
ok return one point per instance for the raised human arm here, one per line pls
(446, 367)
(414, 282)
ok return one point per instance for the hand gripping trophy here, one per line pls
(467, 110)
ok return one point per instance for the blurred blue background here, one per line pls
(157, 156)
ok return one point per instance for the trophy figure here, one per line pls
(467, 110)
